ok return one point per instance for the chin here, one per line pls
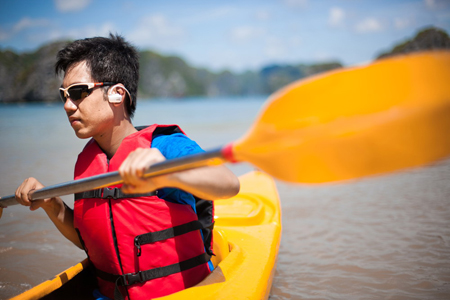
(82, 135)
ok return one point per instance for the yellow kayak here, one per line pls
(246, 240)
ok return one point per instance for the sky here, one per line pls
(235, 34)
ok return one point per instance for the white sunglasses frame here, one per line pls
(90, 86)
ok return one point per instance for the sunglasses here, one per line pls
(79, 91)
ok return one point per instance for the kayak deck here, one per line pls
(246, 241)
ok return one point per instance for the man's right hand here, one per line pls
(23, 194)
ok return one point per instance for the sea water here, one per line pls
(385, 237)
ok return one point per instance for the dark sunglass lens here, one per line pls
(78, 92)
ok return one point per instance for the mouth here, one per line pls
(74, 120)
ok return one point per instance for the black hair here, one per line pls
(109, 59)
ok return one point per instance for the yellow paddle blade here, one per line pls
(386, 116)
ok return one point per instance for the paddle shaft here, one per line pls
(212, 157)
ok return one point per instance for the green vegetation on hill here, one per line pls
(170, 76)
(427, 39)
(29, 77)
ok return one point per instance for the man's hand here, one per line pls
(58, 212)
(210, 182)
(133, 169)
(23, 194)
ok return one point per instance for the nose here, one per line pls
(69, 105)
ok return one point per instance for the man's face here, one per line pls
(92, 116)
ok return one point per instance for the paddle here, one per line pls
(386, 116)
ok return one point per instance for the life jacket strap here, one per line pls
(142, 276)
(114, 193)
(165, 234)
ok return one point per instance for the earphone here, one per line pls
(115, 98)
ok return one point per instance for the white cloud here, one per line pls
(3, 35)
(71, 5)
(78, 33)
(220, 12)
(323, 56)
(430, 3)
(275, 48)
(295, 41)
(91, 31)
(336, 17)
(212, 15)
(436, 4)
(22, 25)
(296, 3)
(369, 25)
(245, 33)
(26, 23)
(401, 23)
(263, 15)
(157, 30)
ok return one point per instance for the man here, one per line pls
(143, 239)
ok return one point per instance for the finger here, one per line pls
(138, 187)
(141, 162)
(128, 189)
(35, 204)
(22, 193)
(133, 169)
(125, 170)
(134, 166)
(135, 184)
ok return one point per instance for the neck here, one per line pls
(110, 142)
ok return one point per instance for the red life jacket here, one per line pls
(141, 246)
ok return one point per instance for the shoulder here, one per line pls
(175, 145)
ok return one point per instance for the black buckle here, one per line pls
(110, 193)
(137, 243)
(133, 278)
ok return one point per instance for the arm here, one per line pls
(58, 212)
(207, 182)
